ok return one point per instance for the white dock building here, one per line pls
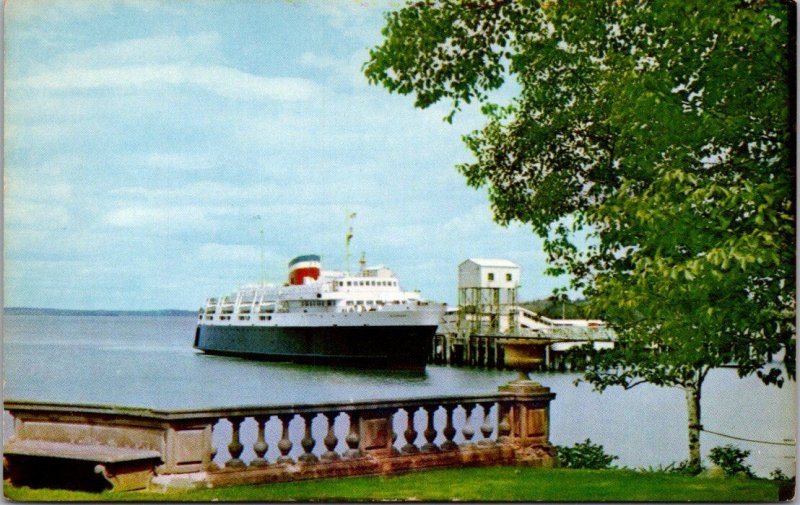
(488, 312)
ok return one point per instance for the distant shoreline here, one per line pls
(34, 311)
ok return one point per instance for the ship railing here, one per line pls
(286, 442)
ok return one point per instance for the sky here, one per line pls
(148, 143)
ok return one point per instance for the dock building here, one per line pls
(488, 315)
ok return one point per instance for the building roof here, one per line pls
(488, 262)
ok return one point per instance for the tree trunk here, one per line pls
(693, 409)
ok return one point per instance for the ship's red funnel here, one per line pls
(302, 267)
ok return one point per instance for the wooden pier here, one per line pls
(470, 345)
(482, 351)
(487, 352)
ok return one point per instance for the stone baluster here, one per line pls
(468, 430)
(504, 426)
(213, 454)
(430, 431)
(395, 452)
(449, 431)
(285, 445)
(235, 448)
(261, 446)
(486, 427)
(410, 434)
(353, 438)
(330, 439)
(308, 441)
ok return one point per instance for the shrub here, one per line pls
(679, 467)
(731, 460)
(778, 474)
(584, 455)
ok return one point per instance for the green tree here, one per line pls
(663, 130)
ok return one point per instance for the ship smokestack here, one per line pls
(302, 267)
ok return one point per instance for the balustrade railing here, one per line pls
(334, 433)
(297, 440)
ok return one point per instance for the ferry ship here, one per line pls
(322, 316)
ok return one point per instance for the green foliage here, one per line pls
(684, 467)
(731, 459)
(778, 474)
(584, 455)
(662, 131)
(557, 308)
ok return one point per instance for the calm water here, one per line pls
(149, 362)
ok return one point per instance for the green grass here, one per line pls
(466, 484)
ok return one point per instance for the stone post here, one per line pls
(188, 447)
(529, 417)
(375, 433)
(529, 411)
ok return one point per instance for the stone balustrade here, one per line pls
(285, 442)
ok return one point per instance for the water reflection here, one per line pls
(327, 370)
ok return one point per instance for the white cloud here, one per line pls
(223, 81)
(40, 206)
(35, 215)
(356, 19)
(210, 191)
(25, 10)
(17, 188)
(228, 252)
(175, 161)
(478, 218)
(203, 46)
(346, 11)
(133, 217)
(341, 71)
(314, 60)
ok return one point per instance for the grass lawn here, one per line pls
(466, 484)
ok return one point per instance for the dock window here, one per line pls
(490, 276)
(508, 277)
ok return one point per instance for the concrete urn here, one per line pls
(524, 355)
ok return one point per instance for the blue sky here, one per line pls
(142, 137)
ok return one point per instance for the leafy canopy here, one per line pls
(664, 129)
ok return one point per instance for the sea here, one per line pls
(148, 361)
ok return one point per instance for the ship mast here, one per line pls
(263, 274)
(348, 237)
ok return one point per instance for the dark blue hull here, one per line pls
(404, 347)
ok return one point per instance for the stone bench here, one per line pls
(55, 464)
